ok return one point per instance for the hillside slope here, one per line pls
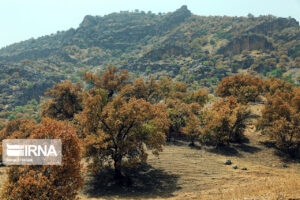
(187, 47)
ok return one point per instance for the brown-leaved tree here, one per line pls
(225, 122)
(119, 132)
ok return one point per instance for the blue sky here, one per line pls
(24, 19)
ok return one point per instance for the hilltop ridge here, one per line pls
(179, 44)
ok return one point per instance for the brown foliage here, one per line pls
(87, 121)
(225, 122)
(274, 85)
(141, 90)
(194, 126)
(198, 96)
(178, 91)
(120, 131)
(109, 80)
(281, 120)
(286, 134)
(16, 129)
(179, 100)
(243, 87)
(178, 113)
(296, 99)
(65, 102)
(48, 182)
(164, 89)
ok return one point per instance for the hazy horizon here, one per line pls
(34, 18)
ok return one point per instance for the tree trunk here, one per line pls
(192, 144)
(117, 166)
(110, 94)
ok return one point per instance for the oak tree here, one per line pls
(194, 125)
(270, 87)
(281, 120)
(120, 131)
(225, 122)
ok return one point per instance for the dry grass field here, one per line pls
(182, 172)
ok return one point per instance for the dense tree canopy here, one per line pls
(225, 122)
(243, 87)
(120, 131)
(281, 119)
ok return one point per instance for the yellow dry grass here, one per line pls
(202, 175)
(273, 188)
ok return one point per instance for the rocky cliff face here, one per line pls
(245, 42)
(273, 25)
(174, 19)
(165, 51)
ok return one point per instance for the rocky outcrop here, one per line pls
(165, 51)
(276, 24)
(88, 21)
(245, 42)
(174, 19)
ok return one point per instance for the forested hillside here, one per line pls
(199, 50)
